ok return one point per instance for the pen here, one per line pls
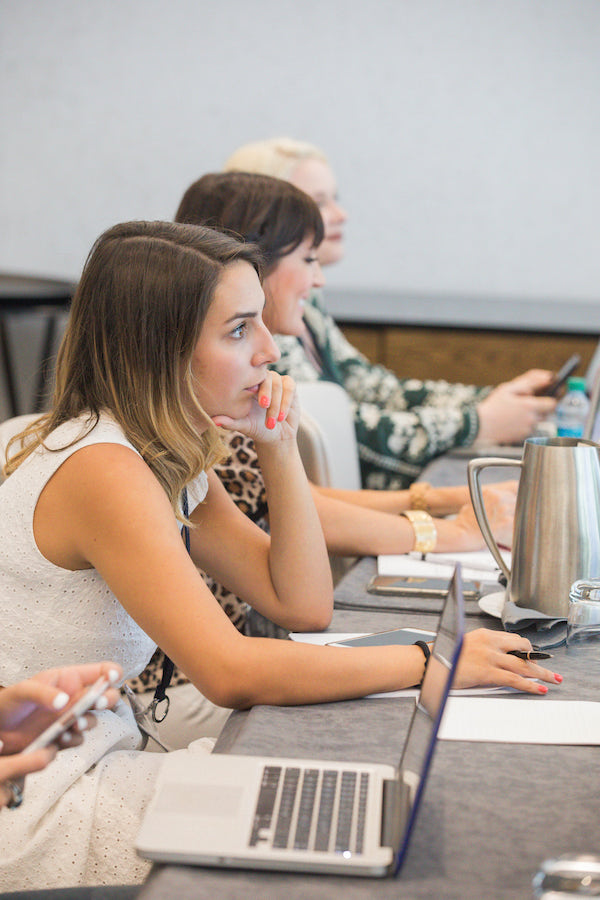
(530, 654)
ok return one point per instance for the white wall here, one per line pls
(465, 133)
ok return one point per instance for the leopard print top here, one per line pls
(244, 483)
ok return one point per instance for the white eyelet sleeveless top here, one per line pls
(80, 816)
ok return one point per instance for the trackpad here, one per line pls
(200, 800)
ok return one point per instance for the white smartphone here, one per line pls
(70, 716)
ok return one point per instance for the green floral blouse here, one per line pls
(401, 423)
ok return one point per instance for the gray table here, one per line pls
(491, 812)
(452, 469)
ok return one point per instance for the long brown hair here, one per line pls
(134, 322)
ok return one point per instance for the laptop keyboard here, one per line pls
(311, 809)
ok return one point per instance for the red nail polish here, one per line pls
(281, 417)
(270, 422)
(264, 401)
(558, 678)
(543, 689)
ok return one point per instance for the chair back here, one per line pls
(327, 444)
(326, 436)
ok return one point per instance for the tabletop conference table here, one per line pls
(491, 813)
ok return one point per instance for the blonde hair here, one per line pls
(134, 323)
(275, 156)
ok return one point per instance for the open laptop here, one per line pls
(591, 430)
(305, 815)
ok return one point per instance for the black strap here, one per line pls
(426, 653)
(160, 694)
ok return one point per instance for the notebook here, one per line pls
(300, 814)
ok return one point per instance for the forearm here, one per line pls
(297, 555)
(445, 501)
(271, 672)
(441, 501)
(352, 530)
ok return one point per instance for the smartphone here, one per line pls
(70, 716)
(396, 636)
(418, 586)
(561, 377)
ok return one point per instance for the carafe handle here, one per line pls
(473, 470)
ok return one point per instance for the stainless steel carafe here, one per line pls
(556, 537)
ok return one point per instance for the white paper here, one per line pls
(531, 721)
(478, 565)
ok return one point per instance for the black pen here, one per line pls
(530, 654)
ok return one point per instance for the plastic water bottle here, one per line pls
(573, 409)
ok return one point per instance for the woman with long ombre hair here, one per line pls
(166, 346)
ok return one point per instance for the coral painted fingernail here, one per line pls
(558, 678)
(281, 417)
(542, 688)
(264, 401)
(270, 422)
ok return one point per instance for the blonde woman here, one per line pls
(401, 423)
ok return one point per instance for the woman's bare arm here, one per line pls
(104, 508)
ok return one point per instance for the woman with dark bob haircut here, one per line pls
(166, 346)
(266, 211)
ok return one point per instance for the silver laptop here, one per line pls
(305, 815)
(591, 430)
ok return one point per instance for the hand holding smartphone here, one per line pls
(560, 378)
(66, 721)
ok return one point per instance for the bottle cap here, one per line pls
(576, 384)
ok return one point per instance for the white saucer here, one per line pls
(492, 604)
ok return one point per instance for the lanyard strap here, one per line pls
(160, 694)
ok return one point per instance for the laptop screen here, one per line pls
(439, 674)
(592, 425)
